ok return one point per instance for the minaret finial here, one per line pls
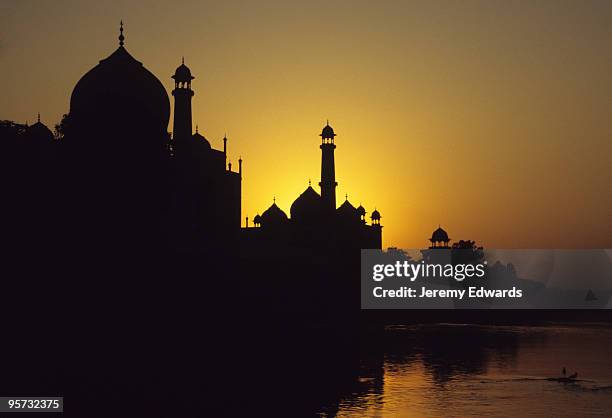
(327, 122)
(121, 37)
(196, 129)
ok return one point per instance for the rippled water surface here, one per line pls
(466, 370)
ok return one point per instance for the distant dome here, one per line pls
(257, 219)
(120, 93)
(328, 132)
(273, 216)
(375, 215)
(347, 211)
(361, 210)
(183, 74)
(439, 235)
(201, 140)
(307, 207)
(39, 132)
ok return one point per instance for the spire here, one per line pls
(121, 37)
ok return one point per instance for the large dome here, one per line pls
(307, 207)
(120, 90)
(273, 216)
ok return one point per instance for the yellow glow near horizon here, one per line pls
(489, 118)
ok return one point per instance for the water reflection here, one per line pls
(246, 369)
(437, 370)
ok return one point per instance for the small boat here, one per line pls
(568, 379)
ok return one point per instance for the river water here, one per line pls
(468, 370)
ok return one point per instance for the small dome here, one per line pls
(307, 206)
(375, 215)
(439, 235)
(257, 219)
(328, 132)
(347, 211)
(361, 210)
(273, 216)
(201, 139)
(39, 132)
(183, 73)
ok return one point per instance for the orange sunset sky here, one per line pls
(491, 118)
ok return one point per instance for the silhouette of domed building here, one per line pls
(439, 239)
(308, 207)
(127, 184)
(120, 105)
(39, 133)
(315, 222)
(39, 144)
(207, 200)
(125, 170)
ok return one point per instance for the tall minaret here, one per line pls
(182, 102)
(328, 171)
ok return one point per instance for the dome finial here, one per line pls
(309, 182)
(39, 117)
(196, 129)
(346, 196)
(183, 60)
(121, 37)
(274, 199)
